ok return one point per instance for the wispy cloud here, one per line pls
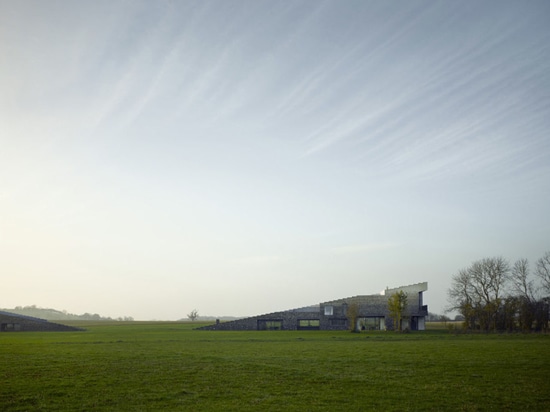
(454, 112)
(268, 122)
(364, 248)
(257, 260)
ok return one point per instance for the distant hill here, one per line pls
(53, 314)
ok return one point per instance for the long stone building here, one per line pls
(332, 315)
(12, 322)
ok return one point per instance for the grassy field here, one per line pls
(170, 367)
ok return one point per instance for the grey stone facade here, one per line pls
(332, 315)
(12, 322)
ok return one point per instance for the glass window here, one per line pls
(372, 323)
(308, 323)
(338, 322)
(329, 310)
(269, 324)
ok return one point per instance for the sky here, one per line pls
(244, 157)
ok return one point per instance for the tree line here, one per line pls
(494, 295)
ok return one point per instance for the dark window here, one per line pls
(338, 322)
(308, 324)
(372, 323)
(270, 324)
(9, 327)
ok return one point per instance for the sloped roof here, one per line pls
(22, 316)
(29, 323)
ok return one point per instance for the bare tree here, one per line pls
(543, 271)
(520, 308)
(477, 292)
(193, 315)
(491, 295)
(520, 277)
(489, 278)
(462, 297)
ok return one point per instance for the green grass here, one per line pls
(169, 367)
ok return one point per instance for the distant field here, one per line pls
(444, 325)
(140, 366)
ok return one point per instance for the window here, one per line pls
(338, 322)
(9, 327)
(372, 323)
(270, 324)
(308, 324)
(329, 310)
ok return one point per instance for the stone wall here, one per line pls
(289, 321)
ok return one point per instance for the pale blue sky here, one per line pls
(242, 157)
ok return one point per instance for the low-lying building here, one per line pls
(12, 322)
(372, 314)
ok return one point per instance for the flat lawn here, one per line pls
(160, 366)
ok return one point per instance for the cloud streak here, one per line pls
(197, 136)
(364, 248)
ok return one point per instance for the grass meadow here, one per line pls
(159, 366)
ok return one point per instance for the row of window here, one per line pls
(367, 323)
(8, 327)
(308, 323)
(277, 324)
